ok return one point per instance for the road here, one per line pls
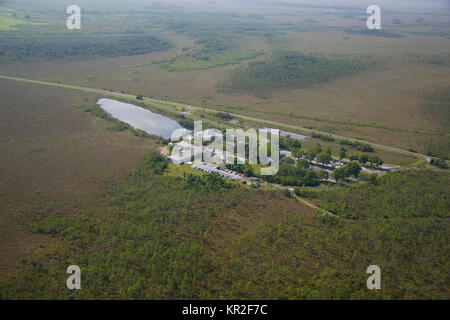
(151, 102)
(154, 103)
(284, 125)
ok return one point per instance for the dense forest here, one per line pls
(289, 173)
(201, 237)
(288, 70)
(390, 196)
(292, 175)
(13, 49)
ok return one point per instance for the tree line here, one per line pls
(28, 48)
(288, 70)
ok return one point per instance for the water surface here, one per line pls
(140, 118)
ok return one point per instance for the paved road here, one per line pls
(284, 125)
(154, 103)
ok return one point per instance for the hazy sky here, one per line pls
(442, 6)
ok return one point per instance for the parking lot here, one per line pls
(223, 172)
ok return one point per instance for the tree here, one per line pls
(378, 162)
(302, 163)
(323, 175)
(374, 160)
(288, 162)
(313, 152)
(363, 159)
(289, 143)
(225, 116)
(438, 163)
(287, 193)
(310, 176)
(342, 153)
(286, 70)
(298, 152)
(373, 179)
(338, 174)
(352, 169)
(324, 158)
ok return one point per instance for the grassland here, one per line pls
(183, 63)
(9, 23)
(436, 104)
(51, 148)
(363, 105)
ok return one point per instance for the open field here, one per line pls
(360, 105)
(50, 149)
(9, 22)
(209, 117)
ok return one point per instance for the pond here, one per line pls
(140, 118)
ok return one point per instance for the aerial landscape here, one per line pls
(116, 159)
